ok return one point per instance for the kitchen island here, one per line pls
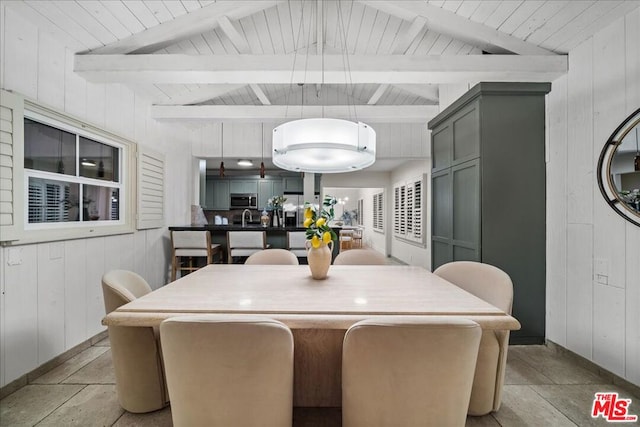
(276, 236)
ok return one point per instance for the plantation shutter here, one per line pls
(150, 189)
(11, 166)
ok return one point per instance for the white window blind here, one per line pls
(378, 212)
(150, 189)
(408, 210)
(11, 166)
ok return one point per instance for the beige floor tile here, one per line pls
(32, 403)
(69, 367)
(95, 405)
(99, 371)
(576, 401)
(523, 407)
(555, 365)
(520, 372)
(486, 421)
(161, 418)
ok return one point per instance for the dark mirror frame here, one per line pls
(605, 181)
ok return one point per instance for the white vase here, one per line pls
(319, 259)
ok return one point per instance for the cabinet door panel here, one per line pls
(461, 253)
(442, 141)
(466, 135)
(466, 204)
(265, 192)
(441, 206)
(441, 253)
(220, 195)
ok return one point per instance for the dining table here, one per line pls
(317, 311)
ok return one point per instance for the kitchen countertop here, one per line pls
(234, 227)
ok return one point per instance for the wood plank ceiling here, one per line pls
(236, 60)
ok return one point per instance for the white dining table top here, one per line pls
(289, 294)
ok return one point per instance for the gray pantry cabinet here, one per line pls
(488, 190)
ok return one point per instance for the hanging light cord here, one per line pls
(345, 62)
(296, 45)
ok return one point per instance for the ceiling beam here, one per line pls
(429, 92)
(458, 27)
(204, 93)
(185, 26)
(253, 113)
(277, 69)
(378, 94)
(260, 94)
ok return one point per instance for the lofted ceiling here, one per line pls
(378, 60)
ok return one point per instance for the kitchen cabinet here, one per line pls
(218, 194)
(293, 185)
(243, 186)
(488, 190)
(268, 188)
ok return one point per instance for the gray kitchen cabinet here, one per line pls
(268, 188)
(488, 190)
(293, 185)
(219, 194)
(243, 186)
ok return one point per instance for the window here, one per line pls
(73, 177)
(360, 212)
(378, 213)
(408, 210)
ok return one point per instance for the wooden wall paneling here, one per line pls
(127, 252)
(157, 257)
(114, 106)
(51, 301)
(556, 291)
(632, 297)
(21, 51)
(51, 71)
(632, 232)
(139, 253)
(94, 305)
(140, 120)
(75, 89)
(632, 60)
(75, 292)
(608, 112)
(20, 314)
(96, 103)
(608, 333)
(580, 165)
(580, 289)
(128, 102)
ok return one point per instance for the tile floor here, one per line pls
(543, 387)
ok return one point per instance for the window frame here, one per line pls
(378, 212)
(54, 231)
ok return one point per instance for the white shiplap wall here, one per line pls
(52, 299)
(585, 237)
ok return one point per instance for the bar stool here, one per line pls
(191, 244)
(245, 243)
(296, 243)
(346, 239)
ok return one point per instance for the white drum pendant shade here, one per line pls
(324, 145)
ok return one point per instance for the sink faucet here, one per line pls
(250, 216)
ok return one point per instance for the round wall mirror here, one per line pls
(619, 169)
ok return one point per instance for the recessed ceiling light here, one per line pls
(90, 163)
(245, 163)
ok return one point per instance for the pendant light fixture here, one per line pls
(636, 160)
(222, 150)
(262, 149)
(324, 145)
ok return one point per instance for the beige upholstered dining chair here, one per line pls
(408, 371)
(494, 286)
(360, 257)
(226, 370)
(296, 243)
(136, 354)
(245, 243)
(272, 257)
(191, 244)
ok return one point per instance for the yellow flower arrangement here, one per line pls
(316, 223)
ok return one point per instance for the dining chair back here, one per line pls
(345, 239)
(191, 244)
(135, 351)
(226, 370)
(409, 371)
(494, 286)
(360, 257)
(296, 243)
(245, 243)
(272, 257)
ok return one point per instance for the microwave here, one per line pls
(243, 201)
